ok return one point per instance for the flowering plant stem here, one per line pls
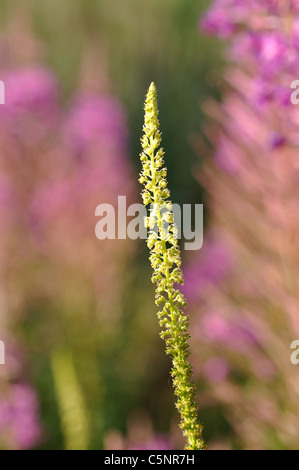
(166, 262)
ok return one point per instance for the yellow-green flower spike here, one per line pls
(165, 259)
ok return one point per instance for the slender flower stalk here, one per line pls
(166, 262)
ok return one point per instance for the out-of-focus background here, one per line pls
(85, 367)
(76, 74)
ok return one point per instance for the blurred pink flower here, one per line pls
(56, 167)
(209, 268)
(19, 418)
(236, 334)
(31, 90)
(96, 120)
(248, 313)
(216, 369)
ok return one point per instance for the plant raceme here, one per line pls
(166, 262)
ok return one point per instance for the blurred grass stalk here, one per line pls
(72, 408)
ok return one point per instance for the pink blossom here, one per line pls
(250, 316)
(216, 369)
(32, 90)
(19, 417)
